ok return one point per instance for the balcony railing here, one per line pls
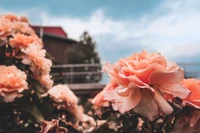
(69, 71)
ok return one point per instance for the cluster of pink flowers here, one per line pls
(16, 32)
(146, 83)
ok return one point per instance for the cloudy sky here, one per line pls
(121, 28)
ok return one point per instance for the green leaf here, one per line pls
(38, 88)
(33, 110)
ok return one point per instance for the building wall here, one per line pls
(57, 48)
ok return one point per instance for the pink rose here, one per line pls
(12, 82)
(11, 24)
(190, 118)
(194, 86)
(45, 80)
(23, 19)
(5, 28)
(39, 65)
(23, 27)
(62, 93)
(22, 41)
(142, 79)
(35, 56)
(12, 18)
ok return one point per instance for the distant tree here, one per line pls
(85, 52)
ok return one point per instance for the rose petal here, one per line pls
(113, 72)
(26, 61)
(174, 89)
(162, 103)
(147, 106)
(166, 76)
(126, 91)
(99, 98)
(112, 94)
(139, 83)
(123, 104)
(160, 60)
(9, 97)
(143, 74)
(192, 104)
(194, 86)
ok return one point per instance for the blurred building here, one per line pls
(55, 42)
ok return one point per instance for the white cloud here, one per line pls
(173, 29)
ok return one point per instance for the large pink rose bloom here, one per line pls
(141, 80)
(12, 82)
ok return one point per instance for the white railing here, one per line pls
(67, 71)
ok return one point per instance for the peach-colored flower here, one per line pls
(190, 119)
(5, 28)
(45, 80)
(11, 24)
(23, 19)
(12, 82)
(23, 27)
(190, 116)
(62, 93)
(142, 79)
(193, 100)
(39, 65)
(194, 86)
(35, 56)
(11, 17)
(21, 40)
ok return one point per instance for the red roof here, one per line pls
(54, 30)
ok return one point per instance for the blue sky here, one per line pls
(84, 8)
(121, 28)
